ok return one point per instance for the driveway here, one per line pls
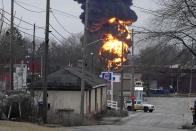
(170, 114)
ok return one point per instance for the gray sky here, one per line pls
(71, 23)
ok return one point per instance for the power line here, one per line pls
(31, 5)
(31, 29)
(65, 13)
(23, 20)
(147, 10)
(144, 9)
(37, 36)
(62, 12)
(29, 34)
(28, 9)
(16, 25)
(56, 38)
(57, 32)
(23, 31)
(60, 24)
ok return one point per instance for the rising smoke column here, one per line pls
(102, 10)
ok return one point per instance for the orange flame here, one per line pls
(112, 20)
(113, 45)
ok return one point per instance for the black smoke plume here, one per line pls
(102, 10)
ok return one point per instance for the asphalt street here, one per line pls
(170, 114)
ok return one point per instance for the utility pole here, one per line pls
(133, 71)
(83, 61)
(2, 17)
(33, 60)
(191, 72)
(11, 45)
(121, 86)
(92, 54)
(45, 71)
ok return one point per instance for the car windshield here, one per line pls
(135, 102)
(139, 102)
(129, 101)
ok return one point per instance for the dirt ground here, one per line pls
(21, 126)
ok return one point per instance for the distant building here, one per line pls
(22, 74)
(64, 89)
(127, 87)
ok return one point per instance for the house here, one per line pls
(64, 91)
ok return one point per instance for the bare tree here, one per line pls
(65, 54)
(175, 23)
(19, 46)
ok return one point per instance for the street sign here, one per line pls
(107, 75)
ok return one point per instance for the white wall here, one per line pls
(62, 99)
(71, 99)
(92, 101)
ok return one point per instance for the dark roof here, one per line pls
(70, 79)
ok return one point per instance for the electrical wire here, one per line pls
(39, 27)
(15, 24)
(62, 12)
(25, 32)
(38, 36)
(60, 24)
(65, 13)
(31, 34)
(56, 38)
(147, 11)
(30, 5)
(57, 32)
(28, 9)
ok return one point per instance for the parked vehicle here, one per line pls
(139, 105)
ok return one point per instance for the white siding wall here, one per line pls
(98, 99)
(92, 100)
(87, 101)
(71, 99)
(85, 106)
(104, 97)
(63, 99)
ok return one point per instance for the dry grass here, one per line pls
(22, 126)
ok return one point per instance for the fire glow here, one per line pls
(113, 44)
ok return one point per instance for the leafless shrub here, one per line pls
(110, 113)
(188, 126)
(65, 119)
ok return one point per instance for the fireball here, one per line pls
(115, 47)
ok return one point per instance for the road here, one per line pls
(170, 114)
